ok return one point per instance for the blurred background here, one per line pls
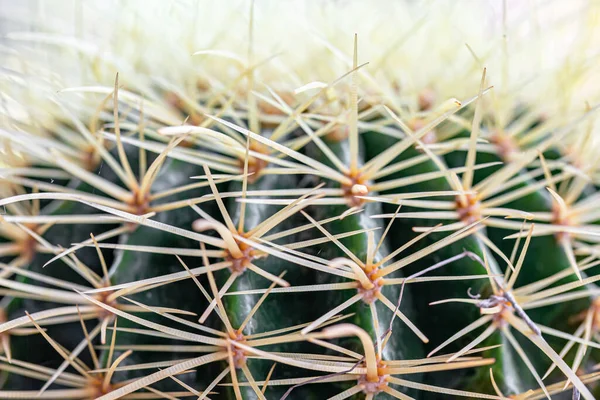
(539, 52)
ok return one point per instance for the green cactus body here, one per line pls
(403, 343)
(131, 266)
(288, 307)
(64, 235)
(302, 314)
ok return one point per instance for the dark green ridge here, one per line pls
(401, 232)
(130, 266)
(544, 256)
(543, 259)
(403, 343)
(68, 335)
(66, 234)
(453, 316)
(279, 310)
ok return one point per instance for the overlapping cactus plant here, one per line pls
(212, 231)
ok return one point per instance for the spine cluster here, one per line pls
(333, 238)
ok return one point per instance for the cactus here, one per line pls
(321, 238)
